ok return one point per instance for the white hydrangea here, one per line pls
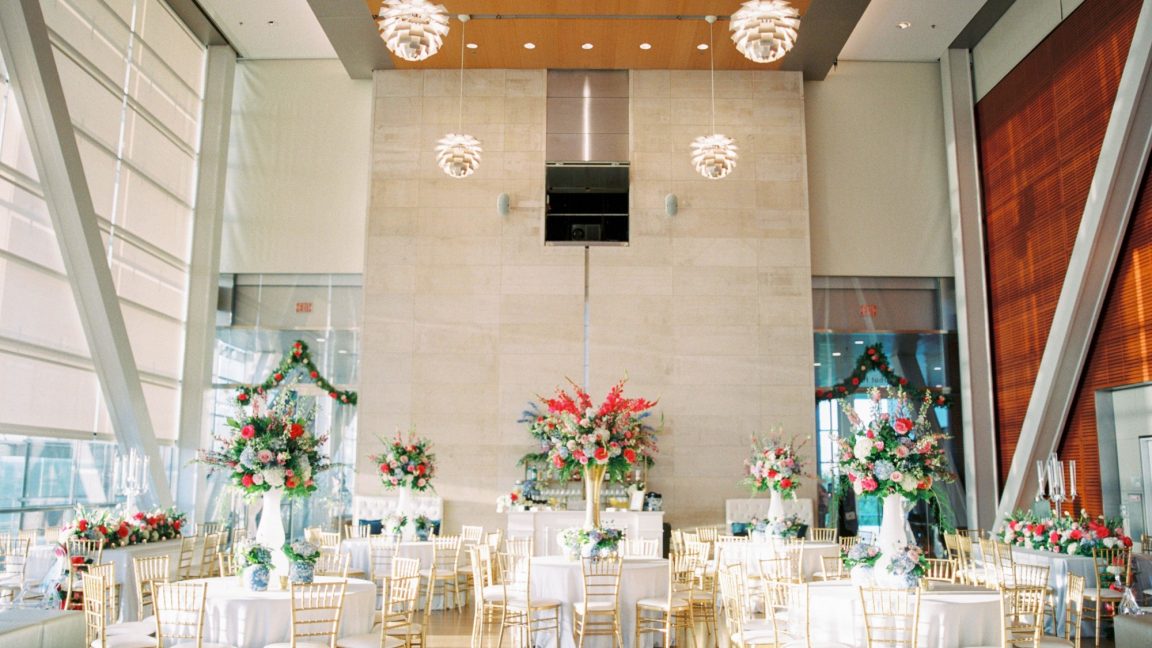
(274, 476)
(909, 482)
(863, 447)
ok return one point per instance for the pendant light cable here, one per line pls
(712, 67)
(460, 105)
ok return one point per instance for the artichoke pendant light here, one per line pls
(458, 154)
(413, 29)
(764, 30)
(714, 156)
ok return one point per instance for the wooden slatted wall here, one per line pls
(1040, 131)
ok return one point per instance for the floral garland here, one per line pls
(893, 453)
(773, 466)
(1076, 536)
(873, 359)
(270, 450)
(407, 464)
(299, 358)
(612, 435)
(138, 528)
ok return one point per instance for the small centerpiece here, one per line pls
(393, 524)
(860, 561)
(905, 568)
(895, 455)
(423, 527)
(257, 561)
(590, 542)
(775, 467)
(788, 526)
(302, 557)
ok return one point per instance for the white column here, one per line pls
(204, 278)
(26, 49)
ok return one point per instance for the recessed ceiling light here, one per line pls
(645, 46)
(702, 46)
(835, 354)
(320, 339)
(903, 24)
(815, 364)
(472, 46)
(861, 342)
(586, 46)
(342, 351)
(529, 45)
(936, 369)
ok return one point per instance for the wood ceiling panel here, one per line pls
(616, 39)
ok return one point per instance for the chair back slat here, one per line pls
(891, 617)
(179, 612)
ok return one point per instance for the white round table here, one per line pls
(236, 616)
(951, 616)
(360, 550)
(556, 577)
(751, 553)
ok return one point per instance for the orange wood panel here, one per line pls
(616, 42)
(1040, 131)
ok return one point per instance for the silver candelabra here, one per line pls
(130, 476)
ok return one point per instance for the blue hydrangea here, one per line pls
(883, 469)
(248, 457)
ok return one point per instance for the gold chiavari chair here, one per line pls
(941, 570)
(971, 572)
(782, 567)
(524, 615)
(442, 575)
(1005, 562)
(13, 559)
(316, 610)
(312, 535)
(186, 564)
(400, 568)
(847, 542)
(413, 632)
(989, 574)
(599, 612)
(891, 616)
(1073, 616)
(1112, 565)
(677, 541)
(1029, 575)
(332, 563)
(493, 540)
(471, 534)
(519, 546)
(208, 528)
(329, 540)
(831, 568)
(396, 616)
(640, 548)
(227, 564)
(180, 615)
(1145, 543)
(357, 531)
(1022, 612)
(382, 551)
(743, 629)
(667, 615)
(487, 594)
(111, 595)
(147, 571)
(96, 613)
(211, 547)
(819, 534)
(81, 554)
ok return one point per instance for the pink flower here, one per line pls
(868, 484)
(901, 451)
(248, 431)
(902, 425)
(879, 445)
(896, 476)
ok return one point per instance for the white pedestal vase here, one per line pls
(894, 534)
(270, 532)
(405, 506)
(775, 506)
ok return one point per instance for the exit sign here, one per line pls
(868, 310)
(303, 307)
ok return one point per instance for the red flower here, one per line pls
(870, 351)
(1076, 534)
(771, 473)
(819, 393)
(176, 524)
(122, 531)
(247, 481)
(558, 460)
(902, 425)
(630, 455)
(139, 515)
(291, 482)
(248, 431)
(513, 497)
(903, 381)
(383, 467)
(77, 560)
(333, 394)
(103, 530)
(855, 381)
(82, 525)
(277, 376)
(295, 430)
(242, 397)
(601, 454)
(313, 374)
(785, 483)
(1127, 541)
(421, 469)
(1054, 538)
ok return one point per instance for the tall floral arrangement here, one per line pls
(270, 448)
(407, 463)
(896, 452)
(579, 434)
(774, 465)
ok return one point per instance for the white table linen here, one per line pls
(360, 551)
(235, 616)
(43, 559)
(556, 577)
(953, 617)
(751, 553)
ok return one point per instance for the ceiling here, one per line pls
(830, 30)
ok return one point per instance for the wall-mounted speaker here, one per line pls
(585, 232)
(671, 204)
(503, 204)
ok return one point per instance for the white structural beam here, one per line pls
(981, 479)
(200, 331)
(1111, 198)
(28, 54)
